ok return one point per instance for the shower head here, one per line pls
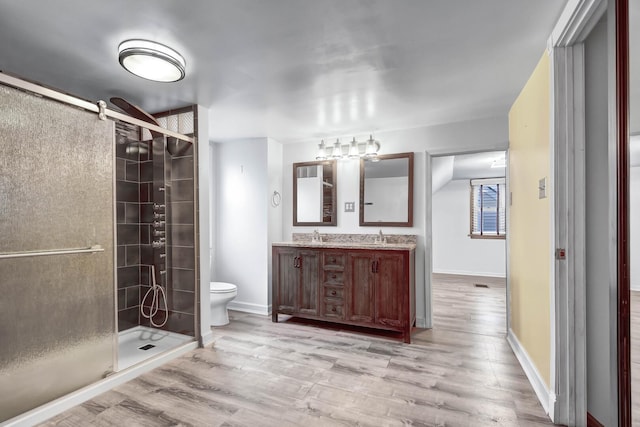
(137, 147)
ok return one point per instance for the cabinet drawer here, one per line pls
(333, 260)
(333, 292)
(332, 309)
(334, 277)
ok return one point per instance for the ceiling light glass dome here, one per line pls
(151, 60)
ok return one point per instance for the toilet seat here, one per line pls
(222, 287)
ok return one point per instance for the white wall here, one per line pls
(242, 221)
(204, 223)
(454, 252)
(469, 136)
(275, 209)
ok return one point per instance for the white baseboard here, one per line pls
(545, 396)
(470, 273)
(421, 322)
(249, 307)
(207, 338)
(55, 407)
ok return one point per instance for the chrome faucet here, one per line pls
(381, 238)
(317, 238)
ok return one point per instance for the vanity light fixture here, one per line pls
(322, 151)
(354, 150)
(371, 151)
(151, 60)
(337, 150)
(354, 153)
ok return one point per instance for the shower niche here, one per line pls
(155, 226)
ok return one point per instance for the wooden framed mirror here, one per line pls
(386, 190)
(314, 193)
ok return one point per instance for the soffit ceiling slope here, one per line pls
(291, 69)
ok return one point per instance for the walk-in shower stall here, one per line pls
(98, 227)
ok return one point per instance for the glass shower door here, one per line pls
(57, 303)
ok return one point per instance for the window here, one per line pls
(488, 209)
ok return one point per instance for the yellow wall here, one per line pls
(529, 247)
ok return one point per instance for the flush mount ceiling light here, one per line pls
(151, 60)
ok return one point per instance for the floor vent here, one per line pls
(146, 347)
(480, 285)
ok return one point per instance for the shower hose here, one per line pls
(157, 292)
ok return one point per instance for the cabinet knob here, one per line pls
(334, 276)
(332, 260)
(333, 292)
(333, 309)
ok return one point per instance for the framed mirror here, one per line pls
(314, 193)
(386, 190)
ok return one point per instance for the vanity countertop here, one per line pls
(349, 245)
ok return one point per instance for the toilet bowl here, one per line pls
(221, 294)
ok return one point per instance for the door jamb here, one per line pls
(568, 346)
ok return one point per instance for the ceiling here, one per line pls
(291, 69)
(466, 166)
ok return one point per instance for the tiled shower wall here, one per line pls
(179, 190)
(134, 176)
(162, 178)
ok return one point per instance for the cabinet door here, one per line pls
(287, 280)
(360, 297)
(309, 281)
(390, 288)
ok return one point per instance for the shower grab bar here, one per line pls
(25, 254)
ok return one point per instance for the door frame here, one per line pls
(428, 232)
(568, 136)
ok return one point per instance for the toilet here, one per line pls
(221, 294)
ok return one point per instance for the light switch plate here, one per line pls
(542, 188)
(349, 206)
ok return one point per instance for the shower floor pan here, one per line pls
(140, 343)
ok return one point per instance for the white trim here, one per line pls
(545, 396)
(421, 322)
(507, 257)
(207, 338)
(55, 407)
(470, 273)
(488, 181)
(428, 242)
(576, 21)
(249, 307)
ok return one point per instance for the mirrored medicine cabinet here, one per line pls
(314, 193)
(386, 190)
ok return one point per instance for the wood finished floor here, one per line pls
(460, 305)
(258, 373)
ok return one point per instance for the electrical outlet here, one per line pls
(349, 206)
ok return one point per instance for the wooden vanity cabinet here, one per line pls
(364, 287)
(376, 287)
(296, 281)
